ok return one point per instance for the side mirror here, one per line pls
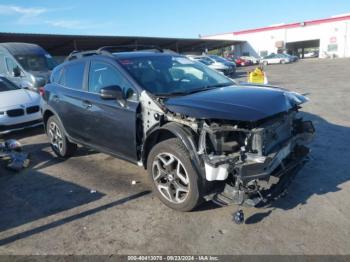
(16, 71)
(112, 93)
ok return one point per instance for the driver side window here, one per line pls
(102, 75)
(11, 65)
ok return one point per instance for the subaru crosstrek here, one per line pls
(199, 134)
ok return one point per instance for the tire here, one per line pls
(58, 139)
(173, 152)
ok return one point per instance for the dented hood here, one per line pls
(241, 103)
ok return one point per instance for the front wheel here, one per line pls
(58, 140)
(175, 180)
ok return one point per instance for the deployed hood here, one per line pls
(18, 97)
(241, 103)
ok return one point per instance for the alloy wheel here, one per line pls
(55, 136)
(171, 178)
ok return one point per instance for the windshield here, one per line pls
(165, 75)
(6, 85)
(36, 62)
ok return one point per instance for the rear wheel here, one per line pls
(58, 140)
(175, 180)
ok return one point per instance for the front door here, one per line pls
(112, 124)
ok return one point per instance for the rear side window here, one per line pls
(55, 76)
(73, 75)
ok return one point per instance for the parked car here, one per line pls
(275, 59)
(222, 65)
(292, 58)
(311, 54)
(251, 59)
(198, 133)
(222, 60)
(26, 65)
(242, 62)
(19, 108)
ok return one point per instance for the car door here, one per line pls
(112, 124)
(68, 100)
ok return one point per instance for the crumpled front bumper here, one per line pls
(264, 177)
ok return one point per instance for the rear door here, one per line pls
(112, 124)
(68, 101)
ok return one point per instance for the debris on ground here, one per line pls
(11, 151)
(92, 191)
(134, 182)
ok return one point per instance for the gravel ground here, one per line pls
(88, 205)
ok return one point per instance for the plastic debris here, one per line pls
(92, 191)
(11, 151)
(134, 182)
(238, 217)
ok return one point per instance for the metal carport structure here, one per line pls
(62, 45)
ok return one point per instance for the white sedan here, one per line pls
(19, 108)
(275, 59)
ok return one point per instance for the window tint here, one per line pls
(10, 64)
(102, 75)
(55, 76)
(73, 75)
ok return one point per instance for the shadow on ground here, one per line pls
(27, 197)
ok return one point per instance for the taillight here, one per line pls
(42, 91)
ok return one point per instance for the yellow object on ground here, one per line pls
(257, 76)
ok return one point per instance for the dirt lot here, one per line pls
(52, 208)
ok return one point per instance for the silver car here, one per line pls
(275, 59)
(215, 62)
(26, 65)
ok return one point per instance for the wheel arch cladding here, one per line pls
(47, 114)
(173, 130)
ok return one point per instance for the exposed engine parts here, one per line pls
(251, 158)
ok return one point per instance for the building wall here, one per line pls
(330, 33)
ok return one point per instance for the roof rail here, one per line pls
(109, 50)
(79, 54)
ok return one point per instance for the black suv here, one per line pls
(198, 133)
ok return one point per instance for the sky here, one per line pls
(163, 18)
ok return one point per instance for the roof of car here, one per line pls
(23, 48)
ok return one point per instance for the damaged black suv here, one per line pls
(198, 133)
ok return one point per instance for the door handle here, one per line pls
(56, 98)
(87, 104)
